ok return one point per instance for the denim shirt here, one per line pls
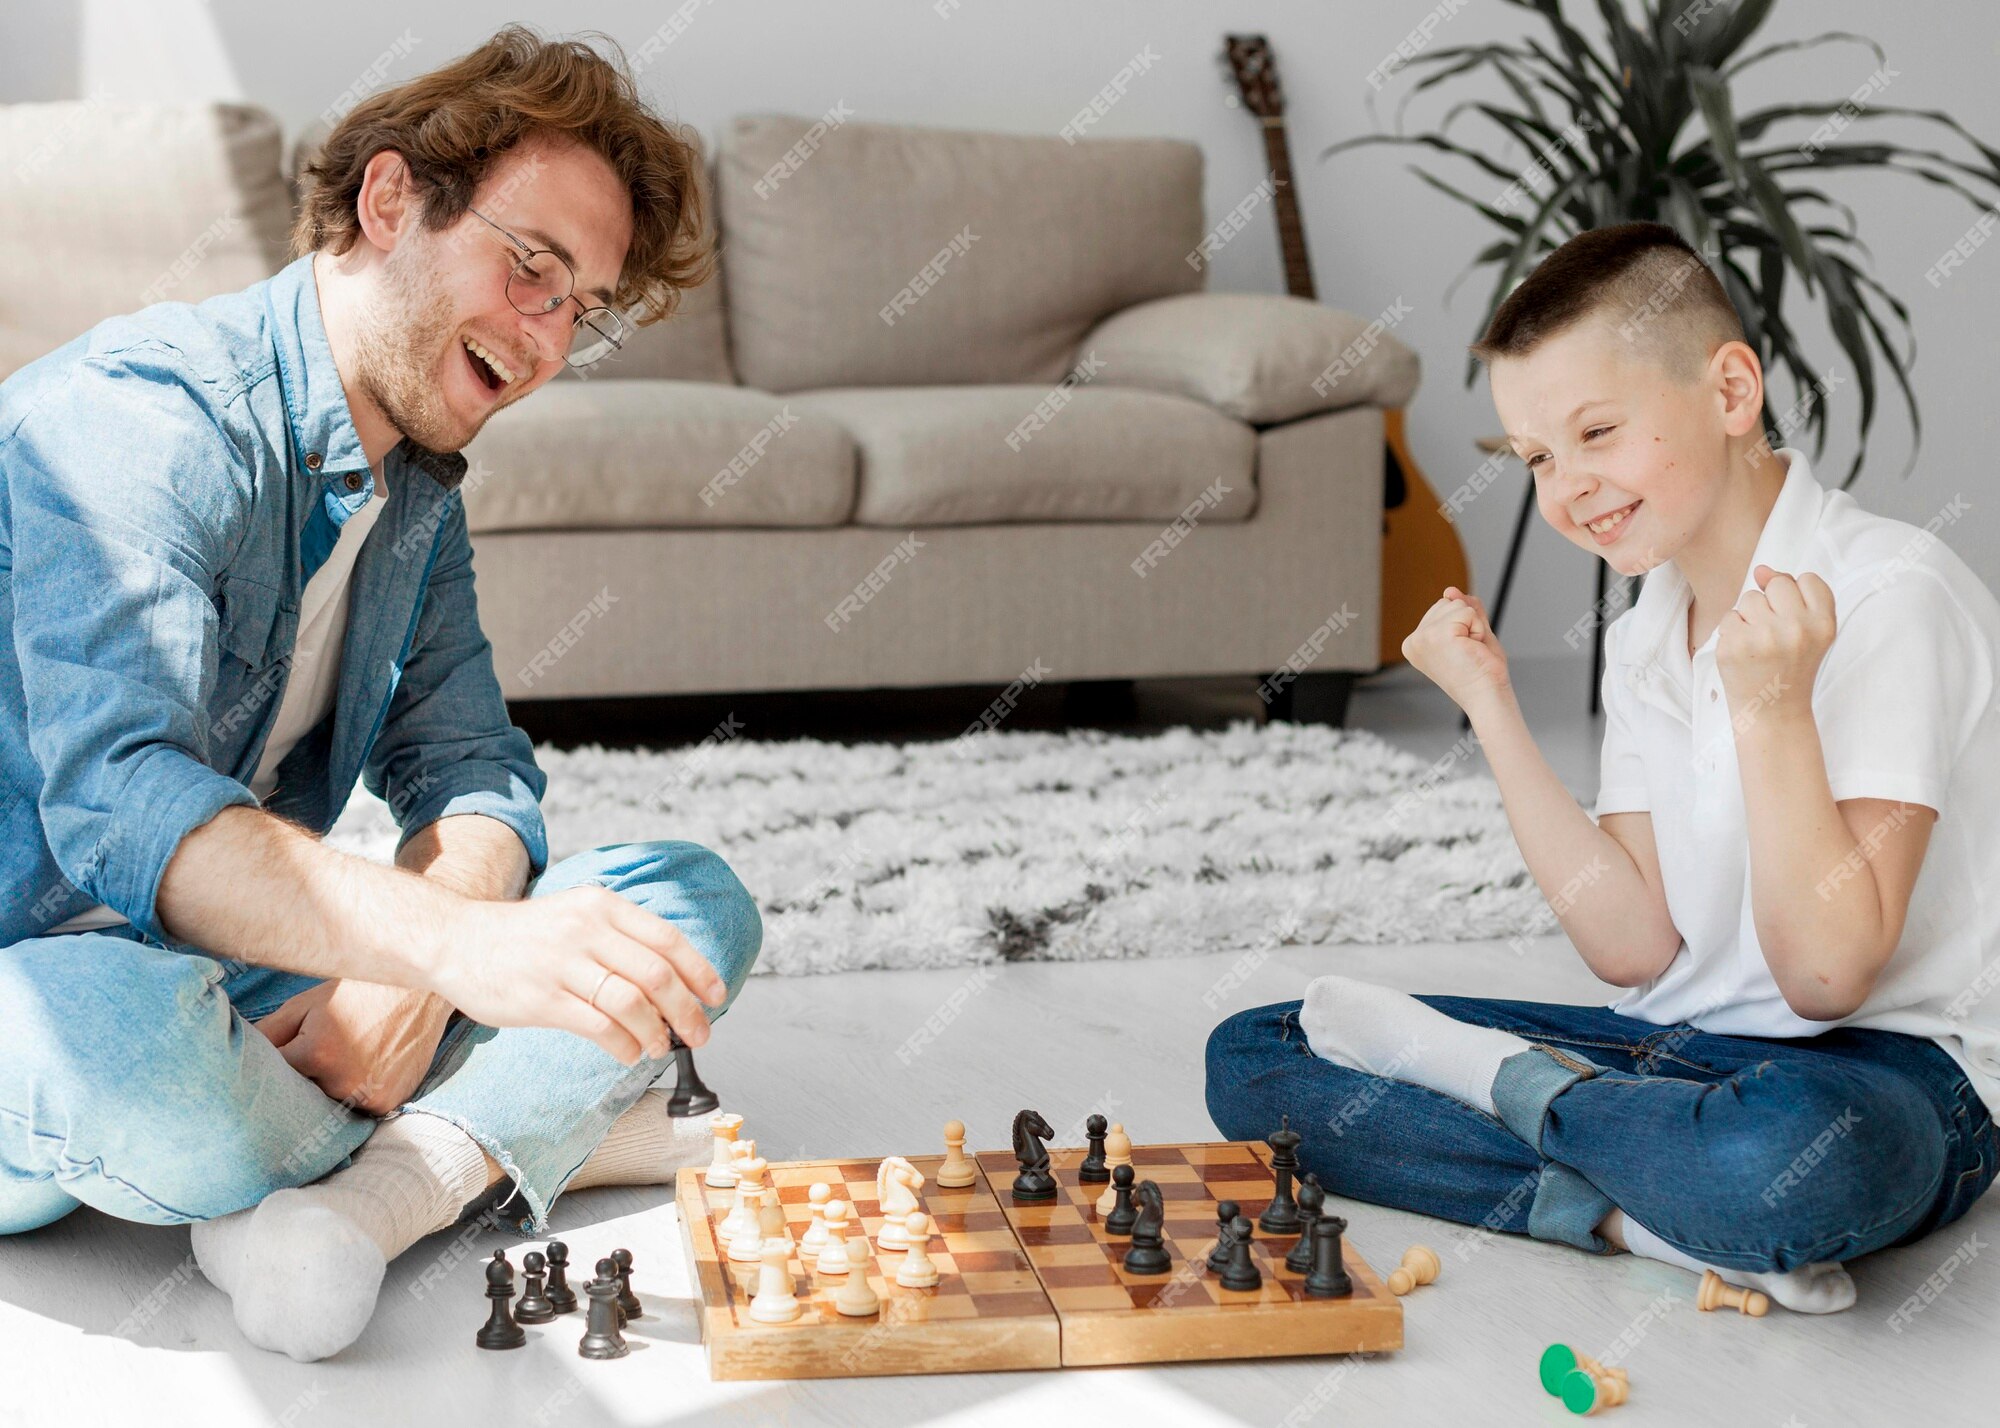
(169, 482)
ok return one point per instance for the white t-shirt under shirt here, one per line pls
(1904, 704)
(312, 682)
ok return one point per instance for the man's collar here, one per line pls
(323, 433)
(1782, 545)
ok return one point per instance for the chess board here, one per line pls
(1030, 1285)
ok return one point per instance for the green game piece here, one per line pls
(1579, 1391)
(1558, 1360)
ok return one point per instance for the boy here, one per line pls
(234, 576)
(1787, 870)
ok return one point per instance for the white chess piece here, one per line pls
(856, 1297)
(815, 1233)
(896, 1185)
(1117, 1152)
(775, 1303)
(749, 1180)
(721, 1174)
(771, 1219)
(833, 1250)
(917, 1271)
(746, 1246)
(957, 1171)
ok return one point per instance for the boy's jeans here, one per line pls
(1747, 1153)
(132, 1080)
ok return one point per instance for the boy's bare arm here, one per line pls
(1615, 916)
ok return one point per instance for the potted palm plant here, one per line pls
(1611, 125)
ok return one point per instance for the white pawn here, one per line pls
(749, 1181)
(746, 1246)
(957, 1171)
(917, 1271)
(833, 1252)
(815, 1233)
(1117, 1152)
(771, 1219)
(775, 1303)
(856, 1297)
(721, 1174)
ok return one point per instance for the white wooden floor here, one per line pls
(107, 1322)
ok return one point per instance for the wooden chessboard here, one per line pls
(1030, 1285)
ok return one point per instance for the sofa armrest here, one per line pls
(1259, 358)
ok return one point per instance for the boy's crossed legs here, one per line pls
(1766, 1160)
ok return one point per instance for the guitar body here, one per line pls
(1421, 552)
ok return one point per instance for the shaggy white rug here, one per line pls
(1064, 846)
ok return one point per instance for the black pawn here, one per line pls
(1225, 1211)
(560, 1296)
(534, 1307)
(500, 1331)
(1093, 1170)
(1281, 1216)
(1311, 1198)
(1242, 1272)
(628, 1302)
(601, 1339)
(690, 1097)
(1328, 1279)
(1124, 1214)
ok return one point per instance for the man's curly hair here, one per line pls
(455, 123)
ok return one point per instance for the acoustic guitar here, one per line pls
(1421, 553)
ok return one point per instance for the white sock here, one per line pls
(303, 1267)
(1390, 1033)
(646, 1146)
(1824, 1287)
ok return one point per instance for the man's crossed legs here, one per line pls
(136, 1084)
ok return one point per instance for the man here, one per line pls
(236, 576)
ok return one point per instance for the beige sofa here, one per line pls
(955, 409)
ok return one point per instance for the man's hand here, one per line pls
(366, 1045)
(1456, 646)
(1769, 647)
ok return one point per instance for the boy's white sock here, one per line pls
(1824, 1287)
(1390, 1033)
(303, 1266)
(646, 1146)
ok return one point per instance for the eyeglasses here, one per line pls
(541, 282)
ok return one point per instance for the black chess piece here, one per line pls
(1311, 1198)
(560, 1296)
(1123, 1215)
(628, 1302)
(690, 1097)
(1281, 1216)
(1148, 1254)
(534, 1307)
(601, 1339)
(1030, 1134)
(1328, 1279)
(1242, 1272)
(1225, 1211)
(500, 1331)
(1093, 1170)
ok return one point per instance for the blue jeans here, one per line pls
(1748, 1153)
(133, 1081)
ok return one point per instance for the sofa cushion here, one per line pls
(1257, 356)
(610, 453)
(878, 255)
(111, 207)
(944, 456)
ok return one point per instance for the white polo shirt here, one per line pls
(1904, 703)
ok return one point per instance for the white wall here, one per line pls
(1376, 232)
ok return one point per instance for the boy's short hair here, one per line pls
(456, 122)
(1645, 277)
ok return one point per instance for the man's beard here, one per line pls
(401, 336)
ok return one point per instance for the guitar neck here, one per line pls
(1291, 231)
